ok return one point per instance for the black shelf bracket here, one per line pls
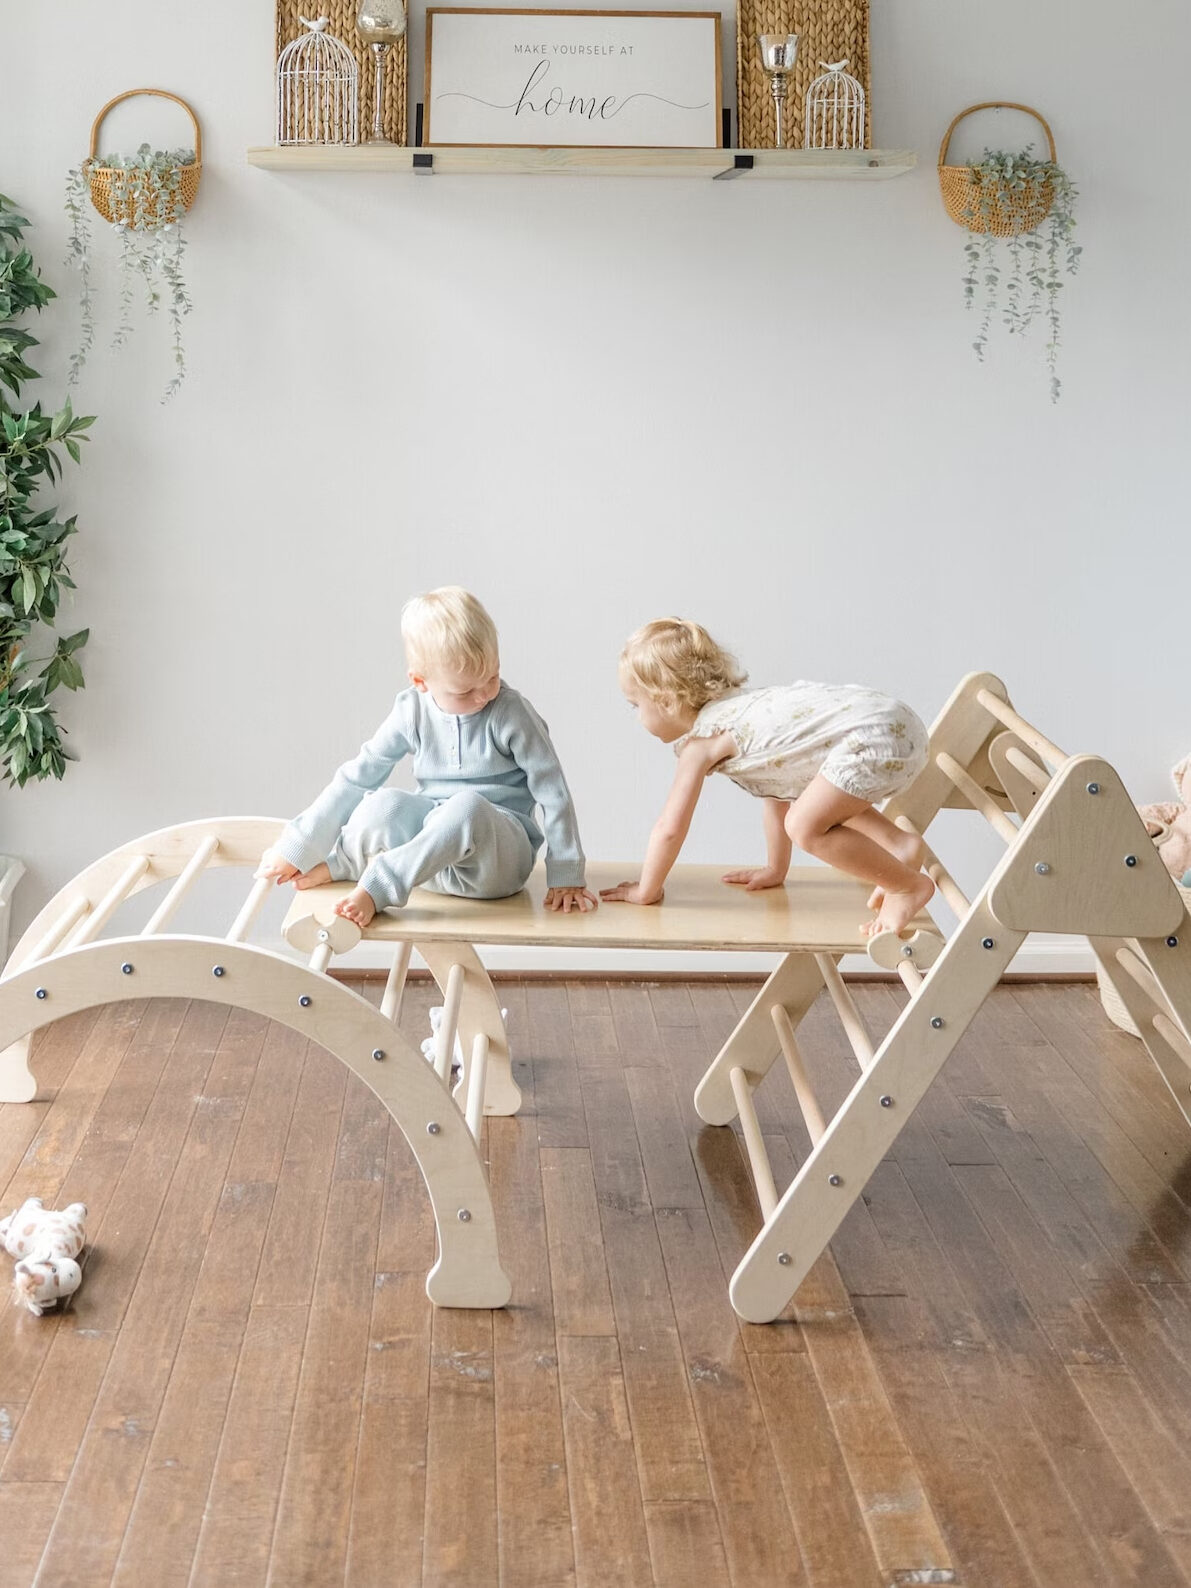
(740, 162)
(423, 162)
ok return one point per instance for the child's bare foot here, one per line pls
(910, 850)
(897, 910)
(315, 877)
(358, 906)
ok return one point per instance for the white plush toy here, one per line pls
(429, 1042)
(45, 1244)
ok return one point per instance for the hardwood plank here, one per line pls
(236, 1525)
(163, 1529)
(601, 1467)
(1130, 1088)
(636, 1029)
(894, 1506)
(1154, 1462)
(560, 1118)
(287, 1270)
(755, 1526)
(311, 1537)
(102, 1486)
(1056, 1544)
(670, 1175)
(388, 1500)
(671, 1004)
(666, 1436)
(578, 1269)
(1109, 1509)
(981, 1539)
(124, 1181)
(835, 1545)
(1052, 1294)
(27, 1512)
(460, 1529)
(684, 1545)
(44, 1166)
(534, 1547)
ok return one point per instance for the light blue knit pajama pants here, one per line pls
(463, 845)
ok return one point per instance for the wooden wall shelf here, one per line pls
(770, 164)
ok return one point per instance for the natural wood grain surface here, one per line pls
(987, 1380)
(818, 910)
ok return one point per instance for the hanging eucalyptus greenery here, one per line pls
(1018, 277)
(144, 194)
(33, 569)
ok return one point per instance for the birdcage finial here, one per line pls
(318, 88)
(834, 110)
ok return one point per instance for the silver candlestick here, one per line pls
(778, 54)
(380, 23)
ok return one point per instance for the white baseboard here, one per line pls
(1040, 955)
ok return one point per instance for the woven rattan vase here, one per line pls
(992, 206)
(106, 181)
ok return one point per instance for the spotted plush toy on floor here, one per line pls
(45, 1243)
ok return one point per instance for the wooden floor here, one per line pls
(988, 1382)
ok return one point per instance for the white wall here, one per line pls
(598, 401)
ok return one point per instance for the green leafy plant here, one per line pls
(1019, 277)
(146, 191)
(33, 569)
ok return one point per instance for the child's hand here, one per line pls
(753, 878)
(631, 893)
(274, 865)
(568, 899)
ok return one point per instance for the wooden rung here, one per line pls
(803, 1091)
(390, 1004)
(110, 903)
(321, 957)
(1036, 776)
(845, 1007)
(937, 871)
(753, 1141)
(444, 1044)
(477, 1074)
(1024, 730)
(1171, 1034)
(977, 797)
(911, 975)
(947, 885)
(251, 908)
(73, 913)
(1145, 979)
(185, 880)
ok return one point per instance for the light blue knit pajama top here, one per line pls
(470, 829)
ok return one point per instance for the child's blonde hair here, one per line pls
(677, 663)
(448, 628)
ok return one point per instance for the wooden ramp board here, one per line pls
(818, 911)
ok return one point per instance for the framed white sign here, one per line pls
(573, 79)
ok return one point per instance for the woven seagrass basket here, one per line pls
(993, 206)
(107, 182)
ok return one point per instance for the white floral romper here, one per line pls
(867, 744)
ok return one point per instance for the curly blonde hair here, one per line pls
(448, 628)
(677, 663)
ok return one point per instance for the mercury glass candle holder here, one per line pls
(779, 51)
(380, 23)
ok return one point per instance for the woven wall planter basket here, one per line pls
(993, 206)
(120, 195)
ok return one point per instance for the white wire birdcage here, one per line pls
(834, 110)
(318, 89)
